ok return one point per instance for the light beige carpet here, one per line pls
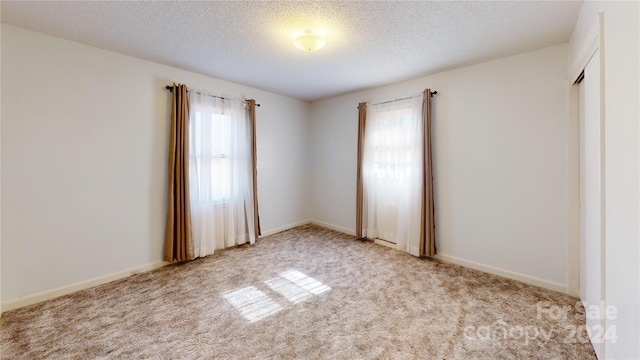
(306, 293)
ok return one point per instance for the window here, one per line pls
(221, 167)
(392, 173)
(210, 157)
(392, 145)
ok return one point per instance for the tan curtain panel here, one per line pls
(254, 163)
(427, 231)
(178, 245)
(362, 119)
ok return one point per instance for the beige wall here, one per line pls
(499, 135)
(84, 153)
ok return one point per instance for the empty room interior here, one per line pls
(320, 180)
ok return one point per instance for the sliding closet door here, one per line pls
(591, 199)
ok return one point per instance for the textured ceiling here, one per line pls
(368, 43)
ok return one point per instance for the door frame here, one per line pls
(573, 155)
(594, 44)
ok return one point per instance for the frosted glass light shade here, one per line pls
(309, 42)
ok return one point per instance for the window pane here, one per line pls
(210, 157)
(393, 144)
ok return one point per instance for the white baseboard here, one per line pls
(469, 264)
(86, 284)
(309, 221)
(385, 243)
(504, 273)
(333, 227)
(82, 285)
(286, 227)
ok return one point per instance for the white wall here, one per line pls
(499, 137)
(620, 71)
(84, 153)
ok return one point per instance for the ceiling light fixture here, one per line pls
(309, 42)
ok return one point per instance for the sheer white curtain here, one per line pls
(392, 173)
(220, 173)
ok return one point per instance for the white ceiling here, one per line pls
(368, 43)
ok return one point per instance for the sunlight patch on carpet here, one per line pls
(252, 303)
(286, 288)
(306, 282)
(296, 286)
(255, 305)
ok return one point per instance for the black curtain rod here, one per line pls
(391, 101)
(404, 98)
(170, 88)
